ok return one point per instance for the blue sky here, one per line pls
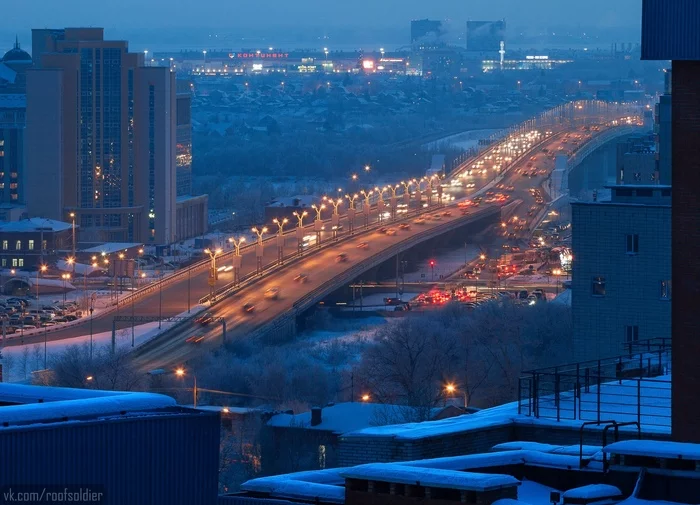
(163, 14)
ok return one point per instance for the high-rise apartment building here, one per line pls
(13, 68)
(426, 33)
(102, 133)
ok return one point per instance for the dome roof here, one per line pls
(16, 55)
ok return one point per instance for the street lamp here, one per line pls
(300, 217)
(280, 224)
(212, 275)
(318, 209)
(259, 232)
(180, 372)
(367, 168)
(451, 389)
(335, 203)
(352, 199)
(365, 397)
(72, 216)
(65, 277)
(237, 244)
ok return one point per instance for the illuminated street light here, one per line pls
(318, 209)
(452, 389)
(365, 398)
(213, 255)
(335, 203)
(367, 168)
(259, 233)
(300, 217)
(351, 199)
(354, 177)
(180, 372)
(280, 224)
(237, 244)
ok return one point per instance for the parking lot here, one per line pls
(19, 314)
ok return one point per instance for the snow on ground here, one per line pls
(15, 357)
(374, 301)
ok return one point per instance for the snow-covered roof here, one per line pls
(655, 448)
(66, 404)
(321, 485)
(34, 224)
(78, 268)
(13, 101)
(111, 247)
(344, 417)
(592, 492)
(241, 411)
(430, 477)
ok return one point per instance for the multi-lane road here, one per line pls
(318, 263)
(324, 266)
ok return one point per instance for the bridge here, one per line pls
(276, 260)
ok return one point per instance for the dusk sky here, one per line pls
(258, 14)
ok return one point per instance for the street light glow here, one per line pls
(365, 398)
(180, 372)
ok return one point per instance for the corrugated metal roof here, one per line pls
(671, 30)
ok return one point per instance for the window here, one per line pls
(598, 286)
(322, 457)
(18, 245)
(645, 192)
(4, 262)
(666, 290)
(43, 245)
(31, 245)
(631, 333)
(632, 244)
(4, 245)
(20, 262)
(14, 262)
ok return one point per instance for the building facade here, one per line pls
(671, 31)
(621, 277)
(28, 243)
(13, 105)
(102, 130)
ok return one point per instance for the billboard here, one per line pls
(485, 35)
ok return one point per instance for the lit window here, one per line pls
(632, 244)
(666, 290)
(14, 262)
(20, 262)
(4, 245)
(631, 333)
(18, 245)
(598, 286)
(321, 457)
(31, 245)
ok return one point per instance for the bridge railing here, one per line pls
(310, 298)
(581, 112)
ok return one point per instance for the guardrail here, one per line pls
(310, 298)
(630, 387)
(596, 142)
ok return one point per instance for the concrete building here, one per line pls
(13, 105)
(28, 243)
(136, 448)
(102, 131)
(621, 278)
(426, 33)
(671, 31)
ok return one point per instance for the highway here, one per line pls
(323, 268)
(318, 263)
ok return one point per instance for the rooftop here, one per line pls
(111, 247)
(13, 101)
(23, 405)
(34, 224)
(346, 417)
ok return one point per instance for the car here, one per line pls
(363, 245)
(447, 213)
(419, 221)
(391, 232)
(341, 258)
(404, 226)
(248, 307)
(382, 230)
(60, 319)
(272, 293)
(71, 317)
(302, 278)
(437, 217)
(194, 339)
(204, 319)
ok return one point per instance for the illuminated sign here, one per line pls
(368, 64)
(391, 60)
(536, 57)
(261, 55)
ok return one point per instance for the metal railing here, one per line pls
(632, 387)
(313, 296)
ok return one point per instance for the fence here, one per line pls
(633, 387)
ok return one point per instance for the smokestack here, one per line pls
(315, 416)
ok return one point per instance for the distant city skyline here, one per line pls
(314, 23)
